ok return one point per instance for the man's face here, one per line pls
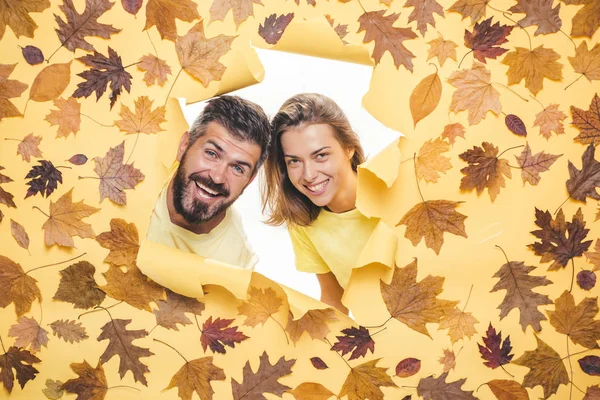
(212, 174)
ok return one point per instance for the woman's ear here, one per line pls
(183, 145)
(351, 153)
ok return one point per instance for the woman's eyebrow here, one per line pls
(312, 154)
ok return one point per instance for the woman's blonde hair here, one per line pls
(284, 202)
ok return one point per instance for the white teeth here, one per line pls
(211, 192)
(318, 187)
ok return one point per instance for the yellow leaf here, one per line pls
(262, 304)
(442, 49)
(50, 82)
(425, 97)
(195, 376)
(460, 324)
(533, 66)
(65, 221)
(430, 162)
(365, 381)
(145, 120)
(241, 10)
(311, 391)
(314, 322)
(587, 62)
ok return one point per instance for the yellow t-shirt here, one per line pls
(227, 242)
(333, 242)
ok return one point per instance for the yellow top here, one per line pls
(333, 242)
(227, 242)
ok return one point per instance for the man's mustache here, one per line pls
(209, 183)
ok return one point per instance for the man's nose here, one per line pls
(218, 172)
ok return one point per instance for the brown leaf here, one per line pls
(262, 304)
(53, 389)
(21, 361)
(425, 97)
(460, 324)
(540, 13)
(438, 389)
(590, 365)
(311, 391)
(9, 88)
(448, 360)
(69, 331)
(29, 333)
(533, 165)
(577, 322)
(265, 380)
(241, 10)
(586, 279)
(172, 310)
(78, 159)
(123, 242)
(486, 39)
(18, 232)
(67, 117)
(272, 29)
(533, 66)
(470, 8)
(550, 119)
(587, 20)
(355, 340)
(442, 49)
(15, 14)
(132, 6)
(32, 55)
(594, 256)
(115, 176)
(515, 124)
(423, 13)
(91, 384)
(163, 14)
(17, 287)
(121, 344)
(592, 393)
(195, 376)
(430, 220)
(452, 131)
(588, 122)
(415, 303)
(155, 68)
(505, 389)
(365, 380)
(145, 120)
(78, 286)
(65, 221)
(50, 82)
(29, 147)
(583, 183)
(318, 363)
(485, 169)
(219, 334)
(546, 368)
(132, 287)
(4, 178)
(408, 367)
(340, 30)
(387, 37)
(313, 322)
(429, 162)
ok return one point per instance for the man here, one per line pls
(218, 158)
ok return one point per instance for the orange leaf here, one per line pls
(17, 287)
(15, 14)
(155, 68)
(29, 147)
(132, 287)
(550, 119)
(365, 380)
(123, 242)
(18, 232)
(262, 304)
(452, 131)
(50, 82)
(425, 97)
(533, 66)
(115, 176)
(65, 221)
(505, 389)
(163, 14)
(195, 376)
(577, 322)
(10, 88)
(241, 10)
(67, 117)
(430, 162)
(442, 49)
(144, 120)
(448, 360)
(311, 391)
(460, 324)
(314, 322)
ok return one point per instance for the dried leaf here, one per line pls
(533, 66)
(53, 389)
(577, 322)
(145, 120)
(442, 49)
(587, 62)
(586, 279)
(590, 365)
(588, 122)
(475, 9)
(438, 389)
(533, 165)
(485, 169)
(313, 322)
(6, 197)
(18, 232)
(155, 68)
(318, 363)
(592, 393)
(78, 159)
(355, 340)
(452, 131)
(10, 88)
(67, 117)
(172, 311)
(505, 389)
(423, 13)
(28, 147)
(123, 242)
(550, 119)
(262, 304)
(91, 383)
(460, 324)
(115, 176)
(78, 286)
(163, 14)
(28, 332)
(540, 13)
(408, 367)
(219, 334)
(241, 10)
(311, 391)
(21, 361)
(65, 221)
(425, 97)
(448, 360)
(15, 14)
(365, 380)
(515, 125)
(486, 39)
(195, 376)
(50, 82)
(69, 331)
(594, 256)
(339, 29)
(44, 179)
(495, 352)
(32, 55)
(430, 162)
(17, 287)
(132, 6)
(587, 20)
(132, 287)
(4, 178)
(265, 380)
(272, 29)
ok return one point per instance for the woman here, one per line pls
(310, 185)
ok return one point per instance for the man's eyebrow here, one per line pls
(220, 150)
(312, 154)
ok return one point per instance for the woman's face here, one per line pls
(316, 162)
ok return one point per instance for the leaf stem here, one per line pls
(63, 166)
(511, 375)
(519, 25)
(152, 43)
(151, 330)
(87, 116)
(88, 177)
(510, 148)
(436, 67)
(58, 263)
(282, 328)
(577, 387)
(579, 352)
(41, 314)
(123, 386)
(382, 329)
(16, 140)
(468, 297)
(93, 311)
(408, 159)
(172, 85)
(197, 323)
(379, 326)
(134, 144)
(168, 345)
(570, 367)
(345, 362)
(25, 109)
(40, 210)
(483, 384)
(538, 101)
(495, 9)
(568, 37)
(461, 60)
(4, 348)
(132, 64)
(563, 203)
(572, 275)
(568, 86)
(517, 94)
(416, 177)
(503, 252)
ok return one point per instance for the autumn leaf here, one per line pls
(241, 10)
(17, 287)
(163, 14)
(587, 20)
(311, 391)
(495, 352)
(546, 368)
(340, 29)
(44, 179)
(586, 279)
(474, 93)
(28, 332)
(485, 169)
(460, 324)
(123, 242)
(365, 381)
(592, 393)
(438, 389)
(272, 29)
(588, 122)
(264, 380)
(475, 9)
(425, 97)
(18, 232)
(555, 246)
(78, 286)
(50, 82)
(32, 55)
(576, 321)
(533, 66)
(594, 256)
(452, 131)
(590, 365)
(423, 13)
(132, 6)
(533, 165)
(515, 124)
(262, 304)
(540, 13)
(387, 37)
(69, 331)
(355, 340)
(115, 176)
(65, 221)
(195, 376)
(121, 344)
(430, 162)
(145, 120)
(505, 389)
(408, 367)
(67, 117)
(78, 159)
(550, 119)
(442, 49)
(4, 178)
(53, 389)
(28, 147)
(518, 283)
(448, 360)
(132, 287)
(172, 311)
(219, 334)
(415, 303)
(15, 14)
(313, 322)
(21, 361)
(486, 39)
(91, 383)
(9, 88)
(156, 70)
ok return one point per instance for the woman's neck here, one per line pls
(345, 198)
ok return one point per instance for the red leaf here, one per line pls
(586, 279)
(486, 38)
(216, 335)
(32, 55)
(516, 125)
(78, 159)
(494, 354)
(132, 6)
(408, 367)
(318, 363)
(590, 365)
(355, 340)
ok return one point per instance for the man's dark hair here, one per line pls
(243, 119)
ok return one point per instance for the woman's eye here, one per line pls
(322, 155)
(292, 162)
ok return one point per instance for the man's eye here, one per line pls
(238, 169)
(211, 153)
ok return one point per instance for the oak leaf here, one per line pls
(576, 321)
(21, 361)
(91, 383)
(67, 117)
(533, 66)
(265, 380)
(17, 287)
(438, 389)
(163, 14)
(340, 29)
(53, 389)
(533, 165)
(4, 178)
(474, 93)
(387, 37)
(65, 221)
(452, 131)
(588, 122)
(448, 360)
(475, 9)
(505, 389)
(28, 147)
(121, 344)
(408, 367)
(44, 179)
(430, 220)
(18, 232)
(587, 20)
(486, 39)
(195, 376)
(546, 368)
(495, 352)
(50, 82)
(132, 287)
(115, 176)
(425, 97)
(460, 324)
(145, 120)
(442, 49)
(311, 391)
(156, 70)
(313, 322)
(594, 256)
(485, 169)
(78, 286)
(241, 10)
(540, 13)
(272, 29)
(355, 340)
(28, 332)
(550, 119)
(415, 303)
(15, 14)
(5, 197)
(172, 311)
(429, 161)
(123, 242)
(69, 331)
(423, 13)
(262, 304)
(365, 381)
(9, 88)
(219, 334)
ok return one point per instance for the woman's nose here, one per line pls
(310, 172)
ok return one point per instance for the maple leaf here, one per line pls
(540, 13)
(115, 176)
(123, 242)
(448, 360)
(533, 165)
(425, 97)
(91, 383)
(19, 233)
(21, 361)
(485, 169)
(550, 119)
(408, 367)
(460, 324)
(474, 93)
(263, 303)
(67, 117)
(430, 219)
(505, 389)
(486, 38)
(387, 37)
(452, 131)
(314, 322)
(577, 322)
(415, 303)
(65, 221)
(442, 49)
(241, 10)
(592, 393)
(163, 14)
(69, 331)
(104, 70)
(355, 340)
(9, 88)
(312, 391)
(121, 344)
(594, 256)
(496, 352)
(475, 9)
(53, 389)
(265, 380)
(533, 66)
(17, 287)
(132, 287)
(219, 334)
(365, 380)
(430, 162)
(44, 179)
(437, 388)
(423, 13)
(145, 120)
(195, 376)
(272, 29)
(172, 311)
(15, 14)
(587, 62)
(28, 332)
(156, 70)
(78, 286)
(546, 368)
(339, 29)
(588, 122)
(28, 147)
(587, 20)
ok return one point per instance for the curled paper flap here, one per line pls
(168, 141)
